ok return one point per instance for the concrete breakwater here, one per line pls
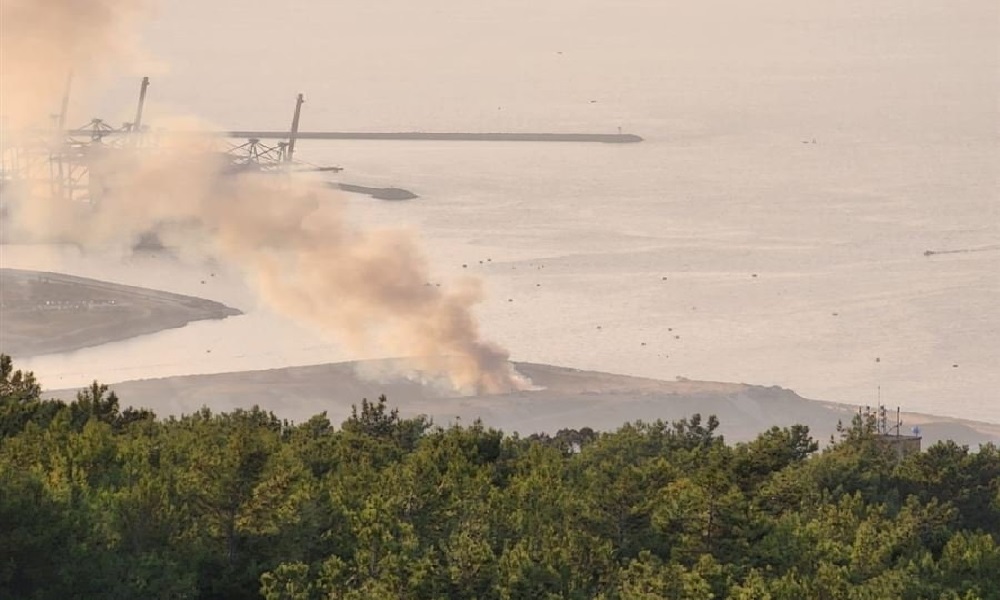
(605, 138)
(390, 193)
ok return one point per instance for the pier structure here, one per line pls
(70, 163)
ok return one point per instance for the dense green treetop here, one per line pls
(97, 501)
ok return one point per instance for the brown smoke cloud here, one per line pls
(290, 236)
(43, 41)
(292, 239)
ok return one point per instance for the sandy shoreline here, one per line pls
(45, 313)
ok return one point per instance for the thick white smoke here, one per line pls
(290, 236)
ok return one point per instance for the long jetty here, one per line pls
(604, 138)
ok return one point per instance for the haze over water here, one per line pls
(800, 158)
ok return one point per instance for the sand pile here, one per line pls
(564, 398)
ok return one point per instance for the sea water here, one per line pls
(799, 161)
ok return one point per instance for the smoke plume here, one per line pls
(43, 41)
(290, 236)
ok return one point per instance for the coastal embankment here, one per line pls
(604, 138)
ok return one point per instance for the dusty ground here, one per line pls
(566, 398)
(44, 313)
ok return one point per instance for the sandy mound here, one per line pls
(566, 398)
(44, 313)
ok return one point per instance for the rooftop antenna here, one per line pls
(295, 128)
(880, 420)
(883, 419)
